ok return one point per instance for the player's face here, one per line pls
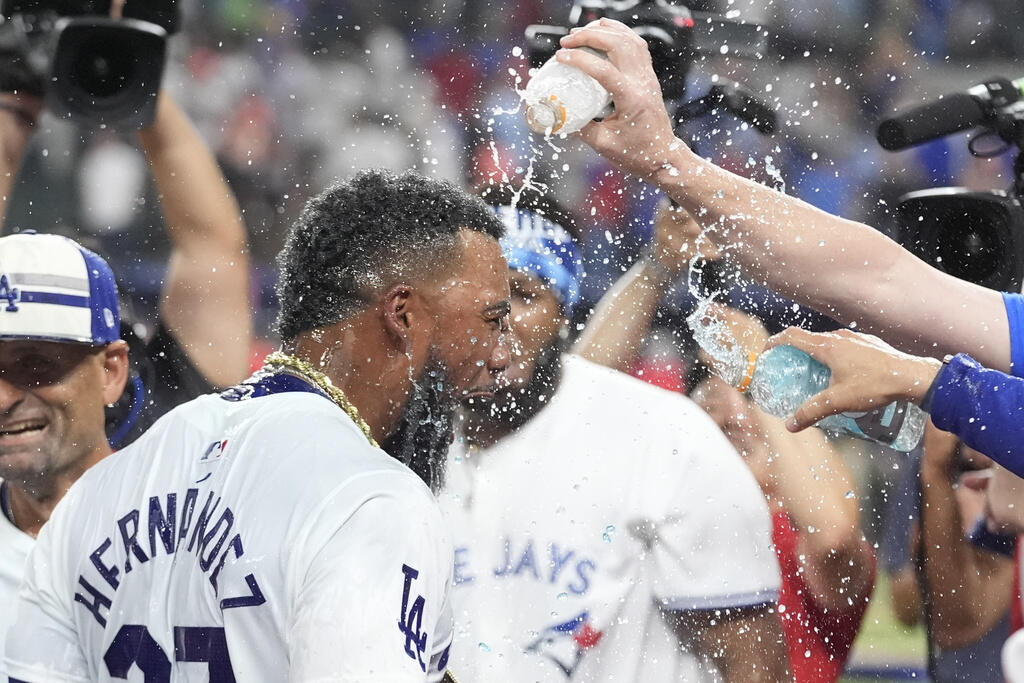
(51, 406)
(472, 337)
(537, 320)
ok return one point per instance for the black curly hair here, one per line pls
(363, 234)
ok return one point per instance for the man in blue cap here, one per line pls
(61, 361)
(604, 529)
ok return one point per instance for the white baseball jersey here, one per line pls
(14, 547)
(251, 536)
(616, 501)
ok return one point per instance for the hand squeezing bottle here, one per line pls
(784, 377)
(562, 99)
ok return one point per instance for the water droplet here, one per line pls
(560, 596)
(607, 535)
(485, 647)
(850, 495)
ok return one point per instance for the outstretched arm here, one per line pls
(205, 301)
(615, 331)
(839, 267)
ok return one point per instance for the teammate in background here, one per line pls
(61, 360)
(261, 534)
(604, 528)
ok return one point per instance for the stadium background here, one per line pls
(292, 94)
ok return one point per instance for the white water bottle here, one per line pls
(562, 99)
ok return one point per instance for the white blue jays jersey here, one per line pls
(617, 502)
(251, 536)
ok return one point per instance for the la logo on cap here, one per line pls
(10, 293)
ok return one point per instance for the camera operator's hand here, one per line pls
(867, 373)
(638, 137)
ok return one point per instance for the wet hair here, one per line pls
(364, 234)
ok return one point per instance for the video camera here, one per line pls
(676, 37)
(93, 69)
(975, 236)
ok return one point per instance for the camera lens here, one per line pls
(972, 235)
(102, 69)
(971, 245)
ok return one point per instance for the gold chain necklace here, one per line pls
(279, 359)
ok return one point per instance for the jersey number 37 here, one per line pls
(134, 646)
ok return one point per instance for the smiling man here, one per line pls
(61, 362)
(261, 534)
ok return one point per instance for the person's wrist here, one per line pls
(653, 270)
(919, 376)
(671, 165)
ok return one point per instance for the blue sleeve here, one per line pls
(984, 408)
(1015, 315)
(992, 541)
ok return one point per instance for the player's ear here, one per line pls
(400, 314)
(115, 370)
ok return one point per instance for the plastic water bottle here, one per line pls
(562, 99)
(782, 378)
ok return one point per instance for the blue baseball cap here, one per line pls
(53, 289)
(535, 245)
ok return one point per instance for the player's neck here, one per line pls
(372, 381)
(31, 504)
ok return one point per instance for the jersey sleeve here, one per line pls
(42, 643)
(371, 587)
(713, 548)
(1015, 317)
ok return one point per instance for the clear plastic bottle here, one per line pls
(562, 99)
(782, 378)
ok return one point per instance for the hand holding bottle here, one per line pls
(866, 373)
(638, 137)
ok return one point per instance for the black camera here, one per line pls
(94, 69)
(975, 236)
(675, 35)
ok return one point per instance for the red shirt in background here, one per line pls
(818, 640)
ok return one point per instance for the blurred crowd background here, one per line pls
(293, 94)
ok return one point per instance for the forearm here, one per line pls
(815, 487)
(615, 331)
(199, 207)
(205, 301)
(984, 408)
(949, 565)
(839, 267)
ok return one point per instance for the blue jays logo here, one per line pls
(214, 451)
(12, 294)
(565, 643)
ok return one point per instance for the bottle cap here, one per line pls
(546, 116)
(749, 374)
